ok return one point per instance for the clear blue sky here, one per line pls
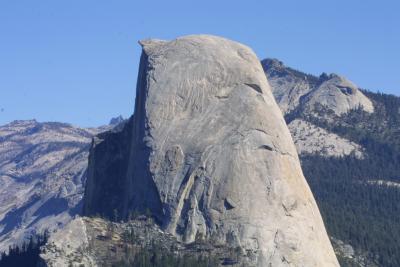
(76, 61)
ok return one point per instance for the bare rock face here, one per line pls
(68, 247)
(293, 89)
(311, 139)
(208, 153)
(339, 95)
(288, 85)
(327, 97)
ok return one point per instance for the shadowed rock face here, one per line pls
(208, 153)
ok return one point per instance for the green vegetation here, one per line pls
(157, 255)
(26, 255)
(159, 258)
(141, 245)
(355, 210)
(361, 214)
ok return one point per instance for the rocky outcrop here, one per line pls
(293, 89)
(68, 247)
(338, 94)
(311, 139)
(384, 183)
(288, 85)
(116, 120)
(208, 153)
(350, 257)
(304, 98)
(95, 241)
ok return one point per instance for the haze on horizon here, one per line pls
(77, 61)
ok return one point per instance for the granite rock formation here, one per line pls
(293, 89)
(311, 139)
(312, 98)
(207, 153)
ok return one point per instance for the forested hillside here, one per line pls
(360, 198)
(358, 192)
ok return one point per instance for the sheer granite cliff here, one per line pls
(208, 153)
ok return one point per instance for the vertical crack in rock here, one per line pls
(254, 86)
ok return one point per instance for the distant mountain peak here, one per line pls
(116, 120)
(273, 63)
(22, 122)
(294, 89)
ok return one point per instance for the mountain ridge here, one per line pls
(357, 195)
(208, 154)
(377, 99)
(42, 173)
